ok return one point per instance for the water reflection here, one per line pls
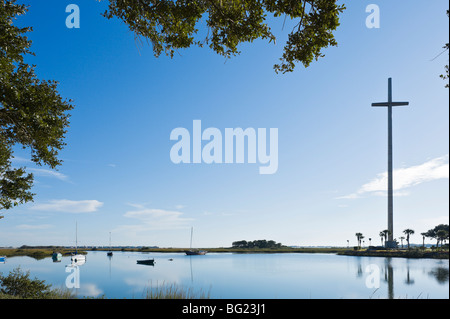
(389, 276)
(409, 280)
(110, 256)
(246, 276)
(440, 274)
(407, 272)
(359, 272)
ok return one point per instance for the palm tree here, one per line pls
(382, 237)
(359, 237)
(385, 233)
(441, 235)
(423, 239)
(401, 238)
(408, 232)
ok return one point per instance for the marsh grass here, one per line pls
(174, 291)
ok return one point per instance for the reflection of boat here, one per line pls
(56, 257)
(2, 259)
(77, 262)
(194, 252)
(150, 262)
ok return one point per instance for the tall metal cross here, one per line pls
(390, 243)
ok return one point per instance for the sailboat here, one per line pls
(194, 252)
(110, 253)
(77, 259)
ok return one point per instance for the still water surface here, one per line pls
(248, 276)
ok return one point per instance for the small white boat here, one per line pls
(76, 258)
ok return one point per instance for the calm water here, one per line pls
(254, 276)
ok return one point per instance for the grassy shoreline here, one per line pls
(40, 253)
(37, 253)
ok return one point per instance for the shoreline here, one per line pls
(40, 253)
(414, 254)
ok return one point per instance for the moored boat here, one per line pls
(150, 262)
(76, 258)
(194, 252)
(109, 253)
(56, 256)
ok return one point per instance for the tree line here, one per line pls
(440, 233)
(256, 244)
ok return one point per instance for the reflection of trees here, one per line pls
(441, 274)
(360, 271)
(408, 280)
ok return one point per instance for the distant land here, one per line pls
(102, 247)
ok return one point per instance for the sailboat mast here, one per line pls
(192, 229)
(76, 237)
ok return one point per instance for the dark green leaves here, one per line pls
(32, 113)
(171, 25)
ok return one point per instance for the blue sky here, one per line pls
(117, 174)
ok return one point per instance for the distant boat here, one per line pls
(194, 252)
(110, 253)
(77, 259)
(150, 262)
(2, 259)
(56, 257)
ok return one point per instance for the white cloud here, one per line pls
(152, 218)
(33, 227)
(434, 169)
(69, 206)
(48, 173)
(88, 289)
(18, 159)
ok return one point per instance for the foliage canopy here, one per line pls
(32, 113)
(172, 25)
